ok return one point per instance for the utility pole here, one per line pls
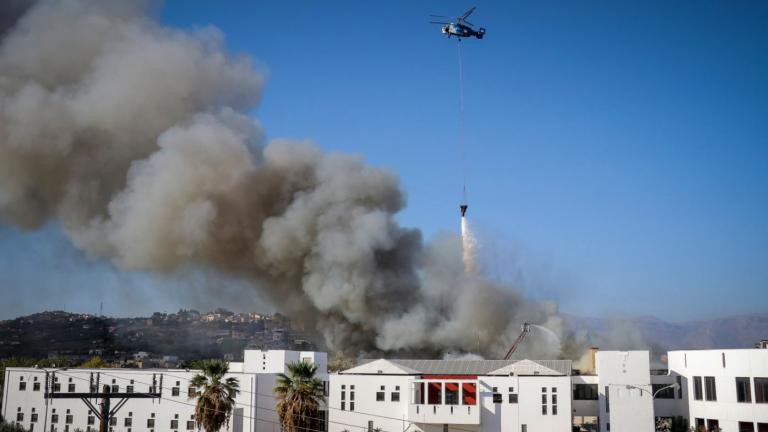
(107, 412)
(104, 417)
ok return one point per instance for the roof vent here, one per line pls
(380, 371)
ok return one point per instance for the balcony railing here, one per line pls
(444, 414)
(444, 401)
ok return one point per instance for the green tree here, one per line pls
(299, 394)
(215, 395)
(94, 363)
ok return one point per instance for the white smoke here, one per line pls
(468, 246)
(134, 136)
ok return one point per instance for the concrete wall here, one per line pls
(624, 383)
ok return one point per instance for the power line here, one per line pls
(337, 409)
(328, 406)
(223, 412)
(264, 408)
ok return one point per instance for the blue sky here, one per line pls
(616, 152)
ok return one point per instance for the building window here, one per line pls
(664, 391)
(746, 427)
(543, 410)
(709, 387)
(379, 396)
(174, 391)
(554, 409)
(524, 428)
(174, 424)
(129, 389)
(128, 422)
(396, 397)
(113, 421)
(762, 427)
(36, 386)
(54, 418)
(33, 417)
(497, 398)
(723, 354)
(544, 399)
(370, 425)
(68, 419)
(699, 423)
(91, 420)
(451, 393)
(191, 391)
(56, 387)
(554, 389)
(761, 390)
(713, 425)
(543, 389)
(343, 395)
(743, 390)
(22, 386)
(513, 398)
(351, 406)
(679, 386)
(585, 392)
(19, 416)
(191, 425)
(434, 392)
(607, 400)
(469, 394)
(151, 423)
(697, 393)
(71, 388)
(115, 388)
(343, 405)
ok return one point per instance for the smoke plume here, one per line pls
(135, 138)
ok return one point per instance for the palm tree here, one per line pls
(299, 394)
(215, 395)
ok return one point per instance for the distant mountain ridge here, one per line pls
(735, 331)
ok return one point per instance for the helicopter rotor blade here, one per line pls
(438, 22)
(469, 12)
(439, 16)
(467, 22)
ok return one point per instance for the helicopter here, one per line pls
(461, 28)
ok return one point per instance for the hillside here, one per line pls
(187, 335)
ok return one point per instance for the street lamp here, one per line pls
(653, 395)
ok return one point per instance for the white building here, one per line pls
(24, 402)
(724, 388)
(618, 392)
(443, 395)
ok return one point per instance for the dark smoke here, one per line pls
(134, 137)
